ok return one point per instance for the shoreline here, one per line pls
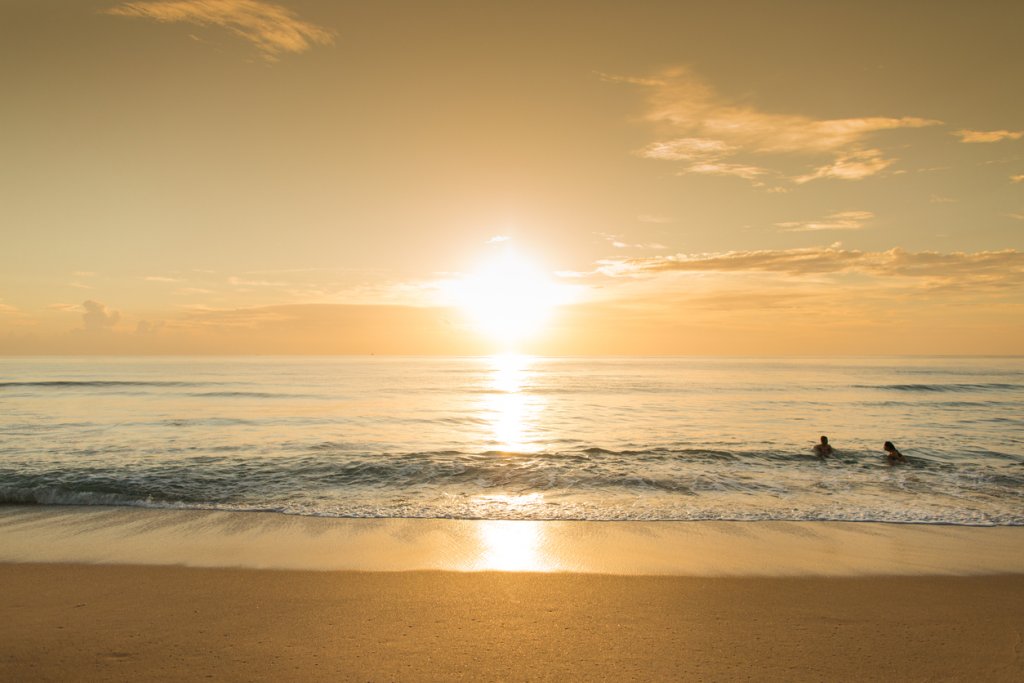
(266, 540)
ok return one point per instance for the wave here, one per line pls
(961, 386)
(248, 394)
(496, 508)
(55, 495)
(132, 384)
(77, 384)
(591, 483)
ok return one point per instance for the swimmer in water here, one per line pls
(893, 455)
(822, 449)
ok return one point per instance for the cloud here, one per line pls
(705, 157)
(939, 199)
(998, 268)
(843, 220)
(687, 149)
(144, 327)
(97, 317)
(744, 171)
(273, 29)
(498, 238)
(712, 131)
(654, 218)
(685, 102)
(7, 308)
(988, 135)
(616, 241)
(1017, 178)
(160, 278)
(854, 166)
(632, 80)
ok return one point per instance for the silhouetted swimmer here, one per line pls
(893, 455)
(822, 449)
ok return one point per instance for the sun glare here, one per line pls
(507, 299)
(512, 546)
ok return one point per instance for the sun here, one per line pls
(507, 298)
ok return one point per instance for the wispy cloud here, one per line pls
(1017, 178)
(236, 281)
(618, 242)
(745, 171)
(498, 238)
(712, 132)
(854, 166)
(273, 29)
(988, 135)
(843, 220)
(993, 267)
(654, 218)
(687, 149)
(703, 156)
(160, 278)
(144, 327)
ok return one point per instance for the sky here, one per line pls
(572, 178)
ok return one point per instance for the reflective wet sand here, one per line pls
(275, 541)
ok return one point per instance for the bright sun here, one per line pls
(507, 298)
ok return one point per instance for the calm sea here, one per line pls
(520, 437)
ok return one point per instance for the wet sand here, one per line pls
(258, 540)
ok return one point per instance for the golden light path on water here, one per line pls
(513, 414)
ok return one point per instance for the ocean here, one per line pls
(515, 437)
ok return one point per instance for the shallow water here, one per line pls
(521, 438)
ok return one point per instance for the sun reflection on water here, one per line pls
(513, 413)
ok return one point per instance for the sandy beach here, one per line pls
(75, 622)
(120, 594)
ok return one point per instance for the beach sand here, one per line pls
(100, 594)
(77, 622)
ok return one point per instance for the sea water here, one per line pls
(514, 437)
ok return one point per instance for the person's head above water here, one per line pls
(888, 446)
(824, 439)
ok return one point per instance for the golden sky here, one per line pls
(241, 176)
